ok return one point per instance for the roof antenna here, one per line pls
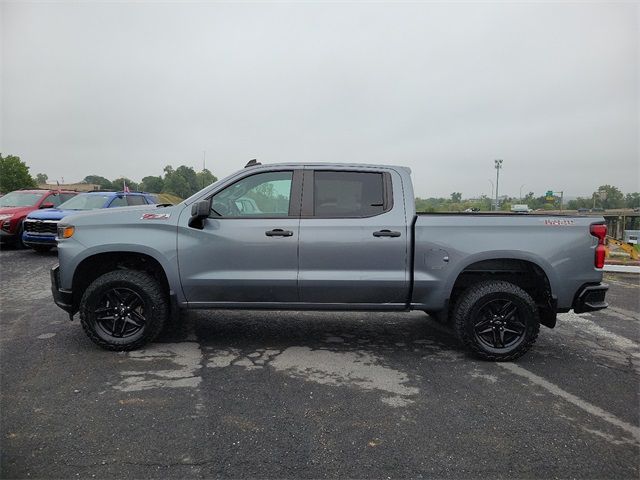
(252, 163)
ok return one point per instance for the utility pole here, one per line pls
(491, 197)
(521, 192)
(498, 165)
(204, 158)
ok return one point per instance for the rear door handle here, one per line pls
(386, 233)
(278, 232)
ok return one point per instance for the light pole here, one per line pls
(521, 192)
(204, 158)
(498, 165)
(492, 189)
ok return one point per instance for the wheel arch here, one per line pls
(96, 264)
(532, 274)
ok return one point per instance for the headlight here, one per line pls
(5, 216)
(66, 231)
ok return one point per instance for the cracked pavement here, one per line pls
(312, 395)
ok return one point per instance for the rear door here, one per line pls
(245, 255)
(353, 239)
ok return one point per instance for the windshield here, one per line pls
(20, 199)
(85, 202)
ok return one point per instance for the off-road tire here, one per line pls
(471, 310)
(153, 303)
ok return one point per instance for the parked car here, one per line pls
(329, 237)
(16, 205)
(40, 227)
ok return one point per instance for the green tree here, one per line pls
(632, 200)
(609, 196)
(456, 197)
(119, 183)
(205, 178)
(14, 174)
(152, 184)
(104, 183)
(182, 181)
(189, 174)
(41, 178)
(177, 185)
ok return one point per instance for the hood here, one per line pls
(16, 210)
(49, 214)
(123, 215)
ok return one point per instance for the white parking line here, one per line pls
(623, 343)
(619, 313)
(569, 397)
(622, 268)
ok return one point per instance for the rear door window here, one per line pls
(54, 198)
(136, 200)
(348, 194)
(118, 202)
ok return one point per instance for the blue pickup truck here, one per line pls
(327, 237)
(40, 227)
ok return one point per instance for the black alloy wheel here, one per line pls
(120, 313)
(123, 309)
(498, 325)
(496, 320)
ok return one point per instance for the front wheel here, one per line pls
(123, 310)
(496, 320)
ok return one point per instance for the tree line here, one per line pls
(183, 181)
(605, 197)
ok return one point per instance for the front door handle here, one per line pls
(386, 233)
(278, 232)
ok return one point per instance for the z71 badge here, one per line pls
(155, 216)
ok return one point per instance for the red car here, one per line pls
(15, 206)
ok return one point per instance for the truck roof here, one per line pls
(328, 164)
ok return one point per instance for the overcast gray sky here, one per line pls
(124, 88)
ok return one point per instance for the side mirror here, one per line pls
(199, 211)
(47, 205)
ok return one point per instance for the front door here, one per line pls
(247, 250)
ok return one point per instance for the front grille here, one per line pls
(38, 226)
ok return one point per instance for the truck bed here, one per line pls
(445, 244)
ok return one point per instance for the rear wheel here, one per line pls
(123, 310)
(496, 320)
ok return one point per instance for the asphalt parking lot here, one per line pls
(312, 395)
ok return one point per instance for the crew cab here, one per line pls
(16, 205)
(327, 237)
(40, 227)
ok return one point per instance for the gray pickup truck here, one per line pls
(326, 237)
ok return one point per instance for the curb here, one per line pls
(621, 268)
